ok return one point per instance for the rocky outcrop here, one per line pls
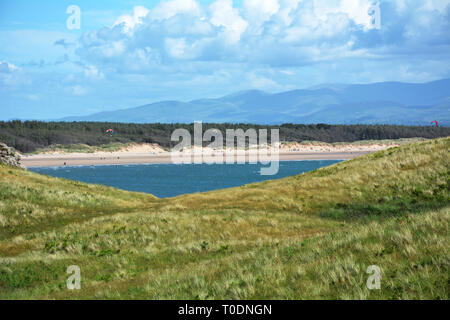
(9, 156)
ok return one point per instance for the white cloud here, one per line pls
(439, 5)
(6, 67)
(287, 72)
(262, 82)
(260, 11)
(128, 22)
(287, 8)
(168, 9)
(78, 90)
(112, 49)
(177, 48)
(276, 33)
(224, 15)
(92, 72)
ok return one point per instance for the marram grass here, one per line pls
(310, 236)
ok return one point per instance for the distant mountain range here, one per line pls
(377, 103)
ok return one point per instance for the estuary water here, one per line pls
(170, 180)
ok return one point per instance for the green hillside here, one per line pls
(310, 236)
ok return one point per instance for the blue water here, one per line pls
(169, 180)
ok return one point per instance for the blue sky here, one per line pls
(130, 53)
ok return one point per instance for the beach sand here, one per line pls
(117, 159)
(153, 154)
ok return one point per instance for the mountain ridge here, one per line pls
(377, 103)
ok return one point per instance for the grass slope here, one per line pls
(307, 236)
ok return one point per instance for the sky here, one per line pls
(125, 54)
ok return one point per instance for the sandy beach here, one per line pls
(153, 154)
(136, 158)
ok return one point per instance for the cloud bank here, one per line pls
(269, 34)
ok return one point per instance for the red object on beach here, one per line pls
(437, 124)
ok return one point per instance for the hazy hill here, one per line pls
(310, 236)
(386, 102)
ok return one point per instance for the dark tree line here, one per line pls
(27, 136)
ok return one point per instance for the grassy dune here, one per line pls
(309, 236)
(82, 148)
(117, 146)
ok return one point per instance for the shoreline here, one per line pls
(154, 154)
(70, 160)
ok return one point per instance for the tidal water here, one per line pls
(170, 180)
